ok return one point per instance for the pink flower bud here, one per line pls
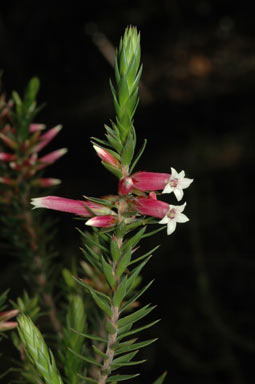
(6, 315)
(46, 182)
(36, 127)
(78, 207)
(107, 157)
(7, 325)
(125, 186)
(102, 221)
(47, 137)
(53, 156)
(7, 156)
(151, 207)
(150, 181)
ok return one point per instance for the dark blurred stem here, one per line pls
(41, 278)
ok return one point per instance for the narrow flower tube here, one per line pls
(151, 207)
(106, 156)
(150, 181)
(102, 221)
(78, 207)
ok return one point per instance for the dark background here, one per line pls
(197, 112)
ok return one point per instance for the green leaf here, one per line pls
(116, 171)
(87, 359)
(135, 273)
(121, 377)
(123, 92)
(89, 379)
(133, 331)
(132, 241)
(149, 253)
(100, 294)
(128, 364)
(120, 292)
(135, 297)
(160, 379)
(123, 263)
(115, 250)
(138, 156)
(90, 337)
(99, 352)
(135, 316)
(102, 304)
(128, 149)
(31, 91)
(108, 273)
(134, 347)
(124, 358)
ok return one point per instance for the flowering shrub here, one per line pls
(96, 338)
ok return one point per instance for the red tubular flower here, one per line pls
(150, 181)
(78, 207)
(151, 207)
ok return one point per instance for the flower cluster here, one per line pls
(136, 194)
(22, 161)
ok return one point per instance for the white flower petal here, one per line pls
(181, 218)
(165, 220)
(185, 183)
(178, 193)
(168, 189)
(179, 208)
(171, 227)
(174, 173)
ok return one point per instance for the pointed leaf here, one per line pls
(128, 150)
(134, 347)
(135, 316)
(160, 379)
(132, 241)
(123, 263)
(135, 297)
(87, 359)
(135, 273)
(115, 250)
(102, 304)
(121, 377)
(133, 331)
(108, 272)
(120, 292)
(91, 337)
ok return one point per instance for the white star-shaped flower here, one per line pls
(174, 216)
(176, 183)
